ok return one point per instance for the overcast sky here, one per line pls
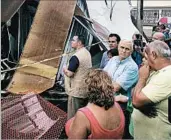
(153, 3)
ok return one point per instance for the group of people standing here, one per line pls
(124, 98)
(164, 32)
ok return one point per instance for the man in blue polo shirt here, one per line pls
(124, 73)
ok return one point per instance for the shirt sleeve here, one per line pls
(108, 65)
(128, 78)
(158, 89)
(73, 64)
(102, 64)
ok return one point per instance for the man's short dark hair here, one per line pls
(113, 52)
(118, 39)
(81, 38)
(154, 28)
(162, 26)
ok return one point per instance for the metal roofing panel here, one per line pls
(31, 117)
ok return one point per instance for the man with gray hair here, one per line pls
(151, 94)
(158, 36)
(124, 73)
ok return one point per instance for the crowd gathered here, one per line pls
(127, 96)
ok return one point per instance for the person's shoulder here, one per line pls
(80, 113)
(131, 66)
(165, 70)
(84, 50)
(115, 58)
(82, 116)
(165, 73)
(74, 57)
(105, 53)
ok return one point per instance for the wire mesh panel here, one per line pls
(31, 117)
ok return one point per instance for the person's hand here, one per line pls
(121, 98)
(138, 48)
(144, 72)
(67, 72)
(144, 62)
(64, 69)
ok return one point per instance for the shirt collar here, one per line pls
(165, 68)
(79, 49)
(125, 60)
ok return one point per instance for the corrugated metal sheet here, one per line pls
(9, 8)
(46, 41)
(96, 31)
(30, 117)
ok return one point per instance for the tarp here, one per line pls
(9, 8)
(46, 41)
(120, 22)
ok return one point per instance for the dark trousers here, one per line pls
(127, 115)
(74, 104)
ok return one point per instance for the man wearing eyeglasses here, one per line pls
(124, 73)
(75, 73)
(114, 40)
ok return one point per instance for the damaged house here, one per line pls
(36, 42)
(35, 45)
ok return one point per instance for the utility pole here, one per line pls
(140, 15)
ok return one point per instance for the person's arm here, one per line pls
(153, 92)
(67, 72)
(142, 53)
(121, 98)
(139, 98)
(127, 79)
(73, 66)
(108, 67)
(139, 50)
(79, 127)
(102, 64)
(116, 87)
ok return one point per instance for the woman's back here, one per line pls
(108, 119)
(102, 118)
(105, 123)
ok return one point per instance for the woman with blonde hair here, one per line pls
(102, 118)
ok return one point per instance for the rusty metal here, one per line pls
(31, 117)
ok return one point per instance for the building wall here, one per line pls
(153, 3)
(151, 15)
(153, 10)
